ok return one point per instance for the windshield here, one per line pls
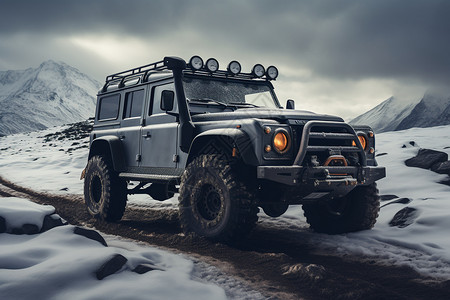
(229, 92)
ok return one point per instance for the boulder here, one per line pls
(404, 217)
(441, 167)
(144, 268)
(388, 197)
(90, 234)
(398, 201)
(51, 221)
(25, 229)
(426, 158)
(111, 266)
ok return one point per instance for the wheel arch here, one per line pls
(111, 148)
(223, 140)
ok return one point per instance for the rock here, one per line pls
(52, 221)
(90, 234)
(25, 229)
(445, 181)
(2, 225)
(404, 217)
(111, 266)
(410, 144)
(426, 158)
(310, 272)
(388, 197)
(400, 201)
(30, 229)
(144, 268)
(441, 167)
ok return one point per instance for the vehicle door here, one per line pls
(131, 123)
(159, 136)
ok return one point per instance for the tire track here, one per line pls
(270, 260)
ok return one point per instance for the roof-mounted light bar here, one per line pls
(272, 73)
(234, 68)
(196, 63)
(212, 65)
(258, 71)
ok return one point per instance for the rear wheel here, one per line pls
(213, 202)
(105, 194)
(357, 211)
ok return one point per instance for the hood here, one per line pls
(263, 113)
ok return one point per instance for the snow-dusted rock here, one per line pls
(22, 216)
(404, 217)
(90, 234)
(426, 158)
(111, 266)
(441, 168)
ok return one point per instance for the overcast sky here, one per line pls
(336, 57)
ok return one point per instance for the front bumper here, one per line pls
(325, 178)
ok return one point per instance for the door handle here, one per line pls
(147, 135)
(121, 137)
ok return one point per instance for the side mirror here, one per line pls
(290, 104)
(167, 99)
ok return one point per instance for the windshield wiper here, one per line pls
(206, 100)
(243, 103)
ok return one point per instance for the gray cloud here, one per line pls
(403, 40)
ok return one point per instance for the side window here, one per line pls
(133, 104)
(155, 107)
(109, 107)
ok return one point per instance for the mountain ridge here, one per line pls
(393, 114)
(52, 94)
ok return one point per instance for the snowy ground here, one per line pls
(59, 264)
(48, 164)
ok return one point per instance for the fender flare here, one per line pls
(112, 146)
(229, 137)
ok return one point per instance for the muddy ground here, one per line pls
(270, 260)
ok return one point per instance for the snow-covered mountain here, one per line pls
(433, 109)
(52, 94)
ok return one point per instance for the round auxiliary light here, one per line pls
(212, 65)
(272, 72)
(196, 62)
(234, 67)
(258, 70)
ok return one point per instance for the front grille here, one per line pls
(318, 140)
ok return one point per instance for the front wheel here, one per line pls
(213, 202)
(358, 210)
(105, 194)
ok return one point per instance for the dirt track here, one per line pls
(270, 260)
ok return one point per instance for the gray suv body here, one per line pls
(222, 140)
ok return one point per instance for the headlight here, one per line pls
(234, 67)
(196, 62)
(258, 70)
(212, 65)
(362, 139)
(281, 141)
(272, 72)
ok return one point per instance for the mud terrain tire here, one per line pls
(213, 203)
(359, 212)
(105, 193)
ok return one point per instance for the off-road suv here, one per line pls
(222, 140)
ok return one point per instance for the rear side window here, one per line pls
(133, 104)
(109, 107)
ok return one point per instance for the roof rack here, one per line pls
(141, 74)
